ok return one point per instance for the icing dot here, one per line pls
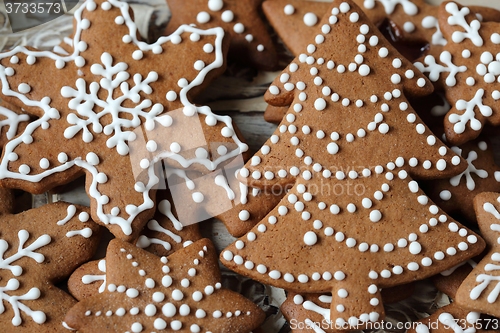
(375, 216)
(310, 238)
(239, 28)
(227, 16)
(24, 88)
(208, 48)
(320, 104)
(62, 158)
(215, 5)
(160, 324)
(203, 17)
(24, 169)
(136, 327)
(44, 163)
(310, 19)
(289, 9)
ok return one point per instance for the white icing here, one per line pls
(12, 121)
(13, 284)
(84, 97)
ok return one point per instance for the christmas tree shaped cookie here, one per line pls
(181, 292)
(39, 248)
(241, 19)
(115, 106)
(354, 220)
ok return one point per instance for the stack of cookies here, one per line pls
(379, 173)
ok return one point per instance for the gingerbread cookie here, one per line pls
(449, 280)
(180, 292)
(452, 319)
(467, 68)
(118, 105)
(295, 21)
(220, 194)
(162, 236)
(240, 19)
(329, 233)
(479, 291)
(455, 195)
(39, 248)
(311, 312)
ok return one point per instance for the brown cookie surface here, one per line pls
(242, 21)
(148, 293)
(40, 247)
(479, 290)
(117, 109)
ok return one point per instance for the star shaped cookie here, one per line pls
(162, 236)
(180, 292)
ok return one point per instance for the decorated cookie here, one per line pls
(117, 105)
(416, 21)
(311, 312)
(468, 69)
(455, 195)
(350, 151)
(241, 20)
(181, 292)
(295, 21)
(479, 291)
(39, 248)
(162, 236)
(453, 319)
(449, 280)
(220, 194)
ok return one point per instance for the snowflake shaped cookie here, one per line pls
(117, 105)
(480, 289)
(241, 19)
(468, 69)
(455, 195)
(179, 292)
(38, 249)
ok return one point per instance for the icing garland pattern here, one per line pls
(324, 221)
(118, 116)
